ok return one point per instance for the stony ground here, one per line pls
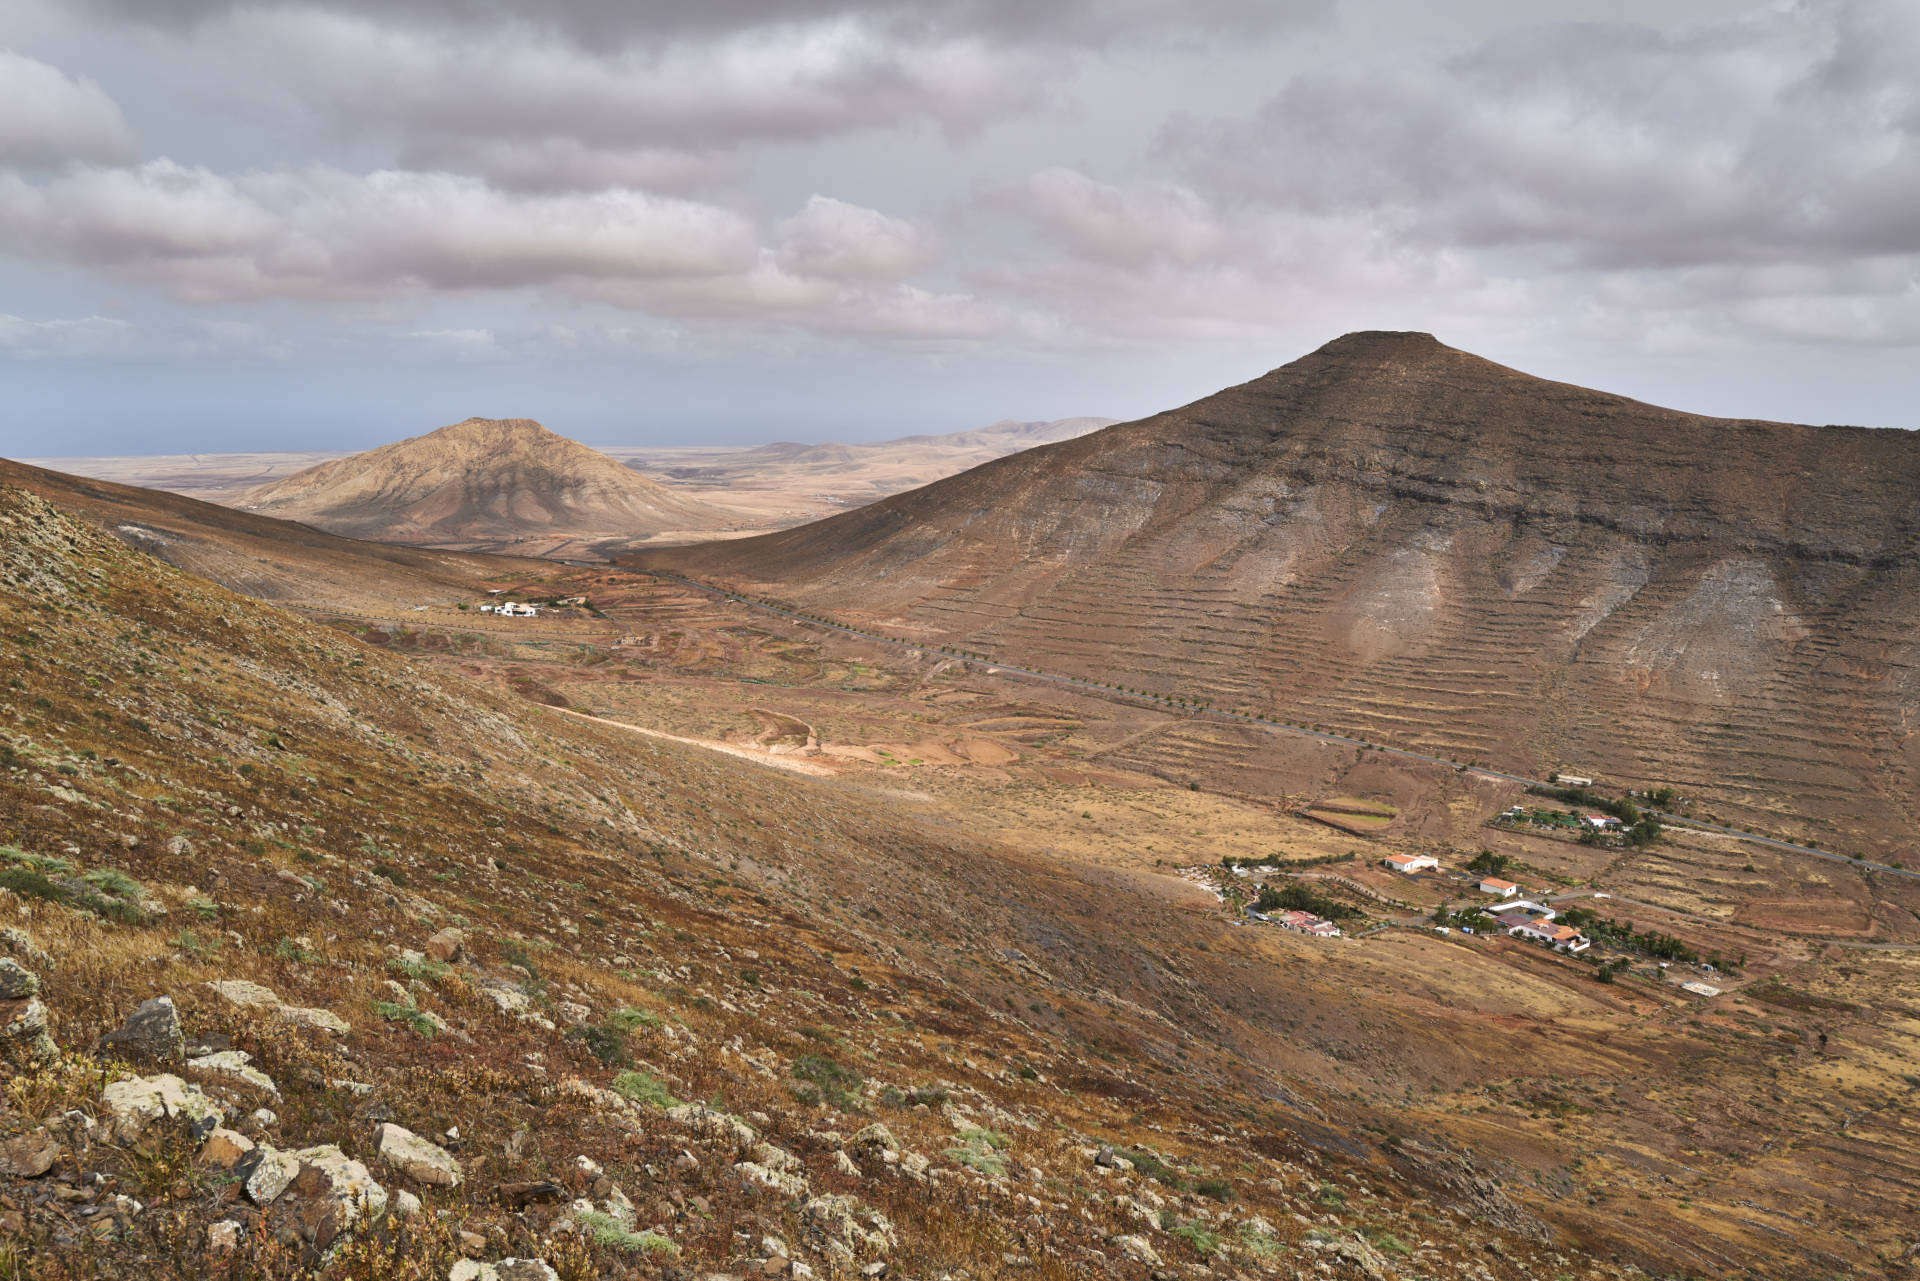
(322, 963)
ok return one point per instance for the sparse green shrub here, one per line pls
(644, 1088)
(1204, 1241)
(632, 1020)
(426, 969)
(605, 1042)
(824, 1080)
(288, 950)
(193, 945)
(204, 908)
(1216, 1189)
(393, 1012)
(614, 1235)
(980, 1150)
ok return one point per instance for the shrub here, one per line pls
(977, 1150)
(609, 1232)
(393, 1012)
(193, 945)
(1217, 1189)
(631, 1020)
(643, 1088)
(606, 1043)
(1203, 1240)
(426, 969)
(826, 1081)
(288, 950)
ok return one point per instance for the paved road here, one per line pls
(1108, 691)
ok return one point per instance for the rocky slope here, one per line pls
(320, 963)
(494, 484)
(1417, 545)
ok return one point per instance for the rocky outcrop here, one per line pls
(151, 1035)
(415, 1157)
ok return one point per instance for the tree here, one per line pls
(1487, 863)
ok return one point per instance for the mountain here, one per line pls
(504, 484)
(1416, 545)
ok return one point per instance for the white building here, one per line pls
(1408, 864)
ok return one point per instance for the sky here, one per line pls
(325, 224)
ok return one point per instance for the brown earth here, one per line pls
(1422, 548)
(486, 484)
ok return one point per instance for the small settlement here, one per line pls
(511, 609)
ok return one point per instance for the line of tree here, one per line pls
(1280, 860)
(1298, 898)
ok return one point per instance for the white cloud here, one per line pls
(42, 339)
(49, 118)
(834, 240)
(326, 233)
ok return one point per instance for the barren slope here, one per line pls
(1412, 543)
(485, 483)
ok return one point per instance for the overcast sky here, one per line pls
(261, 224)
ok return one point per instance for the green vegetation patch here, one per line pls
(642, 1087)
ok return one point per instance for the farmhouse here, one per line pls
(1573, 780)
(1494, 885)
(1307, 923)
(1411, 863)
(513, 610)
(1602, 822)
(1558, 936)
(1528, 910)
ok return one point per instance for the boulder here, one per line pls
(28, 1156)
(1137, 1248)
(266, 1172)
(328, 1174)
(253, 996)
(505, 1270)
(447, 945)
(780, 1182)
(416, 1158)
(21, 943)
(225, 1149)
(873, 1140)
(235, 1065)
(137, 1103)
(17, 982)
(24, 1042)
(846, 1227)
(151, 1034)
(223, 1237)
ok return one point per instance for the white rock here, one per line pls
(1137, 1248)
(417, 1158)
(405, 1204)
(271, 1177)
(348, 1182)
(137, 1103)
(235, 1065)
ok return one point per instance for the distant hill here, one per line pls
(503, 484)
(854, 473)
(1412, 543)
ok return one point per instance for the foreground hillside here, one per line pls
(319, 961)
(1415, 545)
(503, 484)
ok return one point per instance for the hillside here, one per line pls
(486, 484)
(1413, 544)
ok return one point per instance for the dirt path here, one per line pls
(787, 763)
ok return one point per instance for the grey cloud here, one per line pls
(599, 22)
(325, 233)
(1793, 130)
(48, 118)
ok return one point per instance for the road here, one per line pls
(1107, 691)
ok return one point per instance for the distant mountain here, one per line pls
(856, 472)
(1417, 545)
(504, 484)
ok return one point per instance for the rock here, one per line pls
(151, 1034)
(472, 1244)
(28, 1156)
(225, 1149)
(716, 1125)
(329, 1173)
(271, 1173)
(253, 996)
(844, 1164)
(874, 1271)
(235, 1065)
(505, 1270)
(416, 1158)
(1137, 1248)
(133, 1105)
(223, 1237)
(17, 982)
(447, 945)
(873, 1140)
(265, 1118)
(844, 1222)
(24, 1042)
(521, 1195)
(757, 1175)
(405, 1204)
(22, 944)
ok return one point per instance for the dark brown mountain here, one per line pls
(1422, 547)
(505, 484)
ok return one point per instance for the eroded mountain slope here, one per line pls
(1412, 543)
